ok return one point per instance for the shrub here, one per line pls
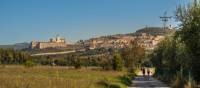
(77, 63)
(109, 84)
(60, 62)
(29, 64)
(126, 79)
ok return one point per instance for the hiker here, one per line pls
(143, 71)
(148, 72)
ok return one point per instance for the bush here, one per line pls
(109, 84)
(77, 63)
(126, 79)
(29, 64)
(61, 62)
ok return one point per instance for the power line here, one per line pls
(165, 19)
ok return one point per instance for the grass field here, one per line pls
(58, 77)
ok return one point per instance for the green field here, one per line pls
(58, 77)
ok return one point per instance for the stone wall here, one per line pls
(43, 45)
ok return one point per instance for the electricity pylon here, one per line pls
(165, 19)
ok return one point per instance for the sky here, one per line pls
(27, 20)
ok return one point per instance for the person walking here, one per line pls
(143, 71)
(148, 72)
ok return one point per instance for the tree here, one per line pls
(10, 56)
(190, 34)
(164, 58)
(133, 55)
(117, 62)
(171, 60)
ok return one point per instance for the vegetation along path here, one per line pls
(147, 82)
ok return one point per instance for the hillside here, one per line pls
(17, 46)
(154, 31)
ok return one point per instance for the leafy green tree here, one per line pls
(117, 62)
(133, 56)
(10, 56)
(164, 58)
(171, 60)
(189, 17)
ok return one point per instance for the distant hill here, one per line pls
(155, 31)
(17, 46)
(149, 30)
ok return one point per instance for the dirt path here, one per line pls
(147, 82)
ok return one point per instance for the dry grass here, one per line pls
(54, 77)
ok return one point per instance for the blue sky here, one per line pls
(26, 20)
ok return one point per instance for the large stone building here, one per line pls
(52, 43)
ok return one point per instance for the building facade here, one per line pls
(52, 43)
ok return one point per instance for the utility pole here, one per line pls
(165, 19)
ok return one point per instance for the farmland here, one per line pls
(14, 76)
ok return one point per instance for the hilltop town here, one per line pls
(147, 38)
